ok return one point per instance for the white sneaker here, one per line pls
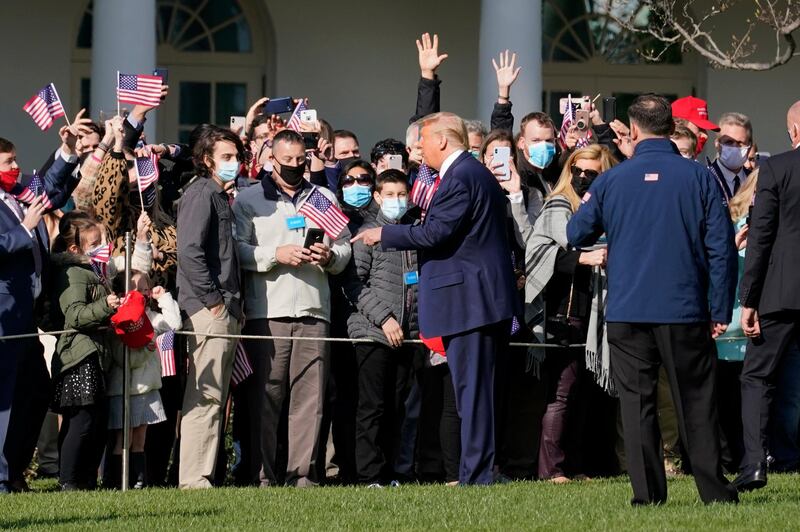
(375, 485)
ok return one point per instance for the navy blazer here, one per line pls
(466, 278)
(17, 266)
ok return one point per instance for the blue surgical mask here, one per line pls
(476, 154)
(357, 195)
(540, 154)
(394, 208)
(228, 170)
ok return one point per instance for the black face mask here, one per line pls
(581, 185)
(292, 175)
(345, 162)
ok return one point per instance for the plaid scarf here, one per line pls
(598, 359)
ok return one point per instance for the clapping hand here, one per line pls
(506, 74)
(429, 58)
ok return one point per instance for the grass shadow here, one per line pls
(97, 520)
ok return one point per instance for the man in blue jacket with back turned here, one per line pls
(467, 293)
(672, 269)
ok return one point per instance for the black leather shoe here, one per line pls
(752, 477)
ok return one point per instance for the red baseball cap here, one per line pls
(695, 111)
(131, 322)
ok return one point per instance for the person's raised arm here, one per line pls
(134, 123)
(428, 93)
(507, 72)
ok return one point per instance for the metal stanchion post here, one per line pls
(126, 381)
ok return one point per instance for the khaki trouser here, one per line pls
(297, 369)
(202, 423)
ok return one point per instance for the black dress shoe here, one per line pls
(752, 477)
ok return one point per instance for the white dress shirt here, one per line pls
(729, 175)
(449, 162)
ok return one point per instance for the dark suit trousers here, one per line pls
(637, 351)
(471, 357)
(761, 361)
(29, 407)
(8, 375)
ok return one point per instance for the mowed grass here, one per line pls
(589, 505)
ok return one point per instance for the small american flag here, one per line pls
(294, 120)
(325, 213)
(44, 107)
(424, 187)
(165, 344)
(651, 177)
(147, 168)
(241, 365)
(99, 259)
(139, 89)
(34, 188)
(566, 124)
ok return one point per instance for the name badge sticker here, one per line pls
(296, 222)
(411, 278)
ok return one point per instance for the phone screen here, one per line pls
(502, 154)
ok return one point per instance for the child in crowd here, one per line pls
(387, 314)
(145, 369)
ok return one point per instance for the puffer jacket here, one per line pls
(384, 293)
(80, 303)
(145, 362)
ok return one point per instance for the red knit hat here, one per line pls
(131, 322)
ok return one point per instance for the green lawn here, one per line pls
(595, 505)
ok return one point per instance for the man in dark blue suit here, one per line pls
(466, 285)
(24, 245)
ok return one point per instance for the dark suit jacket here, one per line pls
(17, 267)
(466, 276)
(770, 281)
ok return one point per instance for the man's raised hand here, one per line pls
(507, 73)
(429, 58)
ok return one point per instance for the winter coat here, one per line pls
(384, 293)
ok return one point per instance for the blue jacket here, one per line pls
(466, 278)
(17, 267)
(671, 255)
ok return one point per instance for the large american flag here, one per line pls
(424, 187)
(35, 188)
(325, 213)
(165, 344)
(139, 89)
(147, 169)
(44, 107)
(294, 120)
(241, 365)
(566, 123)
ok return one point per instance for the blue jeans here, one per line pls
(785, 415)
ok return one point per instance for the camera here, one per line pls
(582, 120)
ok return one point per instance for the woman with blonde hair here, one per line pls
(559, 294)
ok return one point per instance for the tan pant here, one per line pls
(210, 365)
(299, 369)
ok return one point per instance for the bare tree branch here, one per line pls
(681, 24)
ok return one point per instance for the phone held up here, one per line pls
(310, 140)
(237, 123)
(502, 154)
(609, 109)
(394, 162)
(278, 106)
(163, 73)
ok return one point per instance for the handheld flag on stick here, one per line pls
(165, 344)
(424, 187)
(44, 107)
(294, 120)
(34, 188)
(138, 89)
(325, 214)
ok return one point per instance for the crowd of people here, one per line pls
(573, 287)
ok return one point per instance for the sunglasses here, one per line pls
(361, 179)
(578, 172)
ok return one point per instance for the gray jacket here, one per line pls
(383, 292)
(208, 265)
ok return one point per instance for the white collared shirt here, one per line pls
(449, 162)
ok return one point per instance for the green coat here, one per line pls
(80, 303)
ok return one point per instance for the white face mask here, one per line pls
(733, 157)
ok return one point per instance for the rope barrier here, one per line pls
(310, 338)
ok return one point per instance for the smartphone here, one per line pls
(311, 140)
(237, 124)
(313, 236)
(582, 121)
(163, 73)
(502, 154)
(309, 115)
(584, 102)
(394, 162)
(609, 109)
(278, 106)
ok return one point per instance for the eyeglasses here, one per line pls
(361, 179)
(589, 174)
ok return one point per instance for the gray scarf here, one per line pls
(549, 234)
(598, 359)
